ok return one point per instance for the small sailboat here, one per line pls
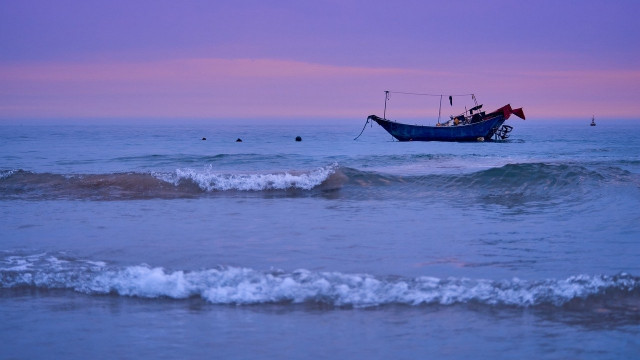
(593, 121)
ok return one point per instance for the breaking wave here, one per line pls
(182, 183)
(210, 180)
(232, 285)
(528, 181)
(548, 175)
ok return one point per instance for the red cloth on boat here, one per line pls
(506, 111)
(519, 113)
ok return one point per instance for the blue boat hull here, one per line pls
(479, 131)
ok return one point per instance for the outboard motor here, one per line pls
(503, 132)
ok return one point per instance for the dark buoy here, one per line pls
(204, 138)
(238, 140)
(298, 138)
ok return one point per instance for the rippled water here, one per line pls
(151, 239)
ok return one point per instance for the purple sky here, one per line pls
(315, 59)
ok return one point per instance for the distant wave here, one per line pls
(183, 183)
(232, 285)
(210, 180)
(510, 184)
(528, 181)
(522, 174)
(178, 158)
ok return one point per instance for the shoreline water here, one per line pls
(323, 248)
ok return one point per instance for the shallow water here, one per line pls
(134, 241)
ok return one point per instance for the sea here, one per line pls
(146, 241)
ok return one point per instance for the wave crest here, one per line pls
(511, 184)
(210, 180)
(183, 183)
(233, 285)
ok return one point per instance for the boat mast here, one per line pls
(439, 109)
(386, 97)
(387, 92)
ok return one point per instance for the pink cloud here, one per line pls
(184, 70)
(254, 88)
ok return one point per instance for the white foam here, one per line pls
(15, 263)
(6, 173)
(246, 286)
(232, 285)
(99, 264)
(211, 180)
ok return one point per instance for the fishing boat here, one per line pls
(593, 121)
(472, 125)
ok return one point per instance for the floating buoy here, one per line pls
(238, 140)
(298, 138)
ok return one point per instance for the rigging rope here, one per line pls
(387, 97)
(421, 94)
(364, 127)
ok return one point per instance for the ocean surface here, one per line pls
(147, 242)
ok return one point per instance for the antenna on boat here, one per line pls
(439, 109)
(386, 97)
